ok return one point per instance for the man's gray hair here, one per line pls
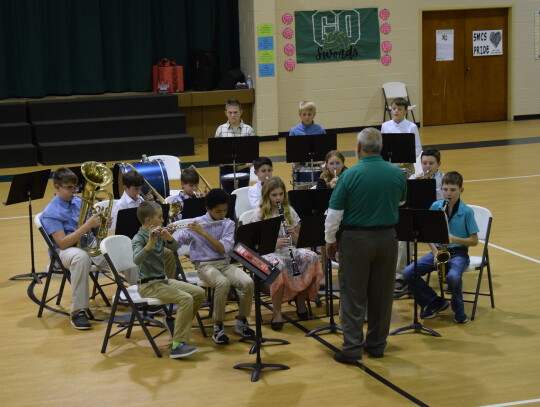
(371, 140)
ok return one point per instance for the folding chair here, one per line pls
(392, 90)
(245, 217)
(119, 255)
(483, 219)
(56, 267)
(242, 201)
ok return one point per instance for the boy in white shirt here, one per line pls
(263, 170)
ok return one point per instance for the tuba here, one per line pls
(97, 175)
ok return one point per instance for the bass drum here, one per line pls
(154, 172)
(301, 177)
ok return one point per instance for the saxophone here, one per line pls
(443, 255)
(295, 271)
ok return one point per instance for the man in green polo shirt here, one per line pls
(365, 203)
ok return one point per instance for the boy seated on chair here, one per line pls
(210, 238)
(263, 170)
(463, 232)
(399, 124)
(132, 196)
(60, 221)
(190, 184)
(148, 253)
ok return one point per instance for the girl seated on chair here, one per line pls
(288, 286)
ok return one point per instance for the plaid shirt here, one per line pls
(243, 130)
(181, 197)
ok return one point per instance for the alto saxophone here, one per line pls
(295, 270)
(443, 255)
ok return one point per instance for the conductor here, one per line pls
(365, 203)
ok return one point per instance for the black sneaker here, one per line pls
(242, 328)
(340, 357)
(220, 337)
(400, 286)
(80, 321)
(182, 350)
(431, 311)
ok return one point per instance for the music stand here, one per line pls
(398, 147)
(128, 224)
(245, 253)
(195, 207)
(230, 150)
(421, 193)
(25, 188)
(312, 147)
(309, 202)
(419, 225)
(311, 235)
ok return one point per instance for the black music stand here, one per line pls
(24, 188)
(309, 148)
(418, 225)
(230, 150)
(260, 236)
(195, 207)
(309, 202)
(128, 224)
(263, 271)
(421, 193)
(398, 147)
(311, 235)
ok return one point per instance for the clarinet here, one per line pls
(295, 271)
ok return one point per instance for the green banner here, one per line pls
(337, 35)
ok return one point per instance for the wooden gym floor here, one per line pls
(490, 360)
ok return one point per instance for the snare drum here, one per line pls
(301, 177)
(227, 181)
(154, 172)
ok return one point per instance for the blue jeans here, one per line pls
(455, 267)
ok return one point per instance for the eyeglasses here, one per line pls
(74, 188)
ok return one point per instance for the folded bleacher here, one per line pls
(108, 128)
(16, 146)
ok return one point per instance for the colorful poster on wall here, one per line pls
(337, 35)
(487, 43)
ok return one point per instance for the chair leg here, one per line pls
(44, 296)
(61, 290)
(491, 295)
(97, 286)
(111, 322)
(201, 326)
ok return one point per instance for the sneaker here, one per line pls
(220, 337)
(461, 317)
(431, 311)
(242, 328)
(182, 350)
(169, 324)
(400, 286)
(340, 357)
(80, 321)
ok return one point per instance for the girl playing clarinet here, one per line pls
(301, 269)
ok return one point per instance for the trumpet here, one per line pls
(443, 255)
(426, 175)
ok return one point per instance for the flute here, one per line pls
(172, 227)
(295, 271)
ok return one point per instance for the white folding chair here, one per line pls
(483, 219)
(119, 255)
(392, 90)
(56, 267)
(172, 165)
(245, 217)
(242, 201)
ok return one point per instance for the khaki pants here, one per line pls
(221, 275)
(188, 297)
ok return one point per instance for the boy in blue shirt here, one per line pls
(307, 112)
(463, 232)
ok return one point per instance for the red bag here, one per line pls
(167, 77)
